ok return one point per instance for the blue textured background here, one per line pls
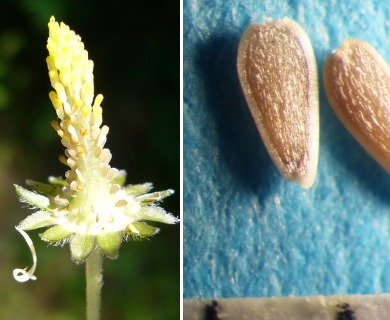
(247, 232)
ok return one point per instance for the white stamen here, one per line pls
(80, 176)
(95, 133)
(73, 134)
(67, 107)
(102, 137)
(22, 275)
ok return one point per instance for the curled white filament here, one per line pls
(22, 275)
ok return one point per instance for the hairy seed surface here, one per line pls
(357, 84)
(278, 75)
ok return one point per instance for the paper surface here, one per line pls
(247, 232)
(353, 307)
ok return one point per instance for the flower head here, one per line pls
(91, 207)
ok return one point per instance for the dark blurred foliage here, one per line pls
(135, 49)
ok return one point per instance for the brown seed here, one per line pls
(357, 84)
(278, 75)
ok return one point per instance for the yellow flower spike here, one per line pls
(91, 209)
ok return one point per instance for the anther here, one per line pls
(74, 185)
(121, 203)
(55, 125)
(130, 228)
(97, 151)
(71, 163)
(70, 175)
(105, 169)
(62, 202)
(83, 131)
(105, 156)
(72, 152)
(63, 159)
(115, 188)
(112, 174)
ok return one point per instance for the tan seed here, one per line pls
(357, 84)
(278, 75)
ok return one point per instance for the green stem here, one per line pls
(94, 268)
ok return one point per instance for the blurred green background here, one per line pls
(135, 49)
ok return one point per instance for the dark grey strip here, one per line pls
(338, 307)
(345, 313)
(211, 312)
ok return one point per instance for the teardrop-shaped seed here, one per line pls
(278, 75)
(357, 84)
